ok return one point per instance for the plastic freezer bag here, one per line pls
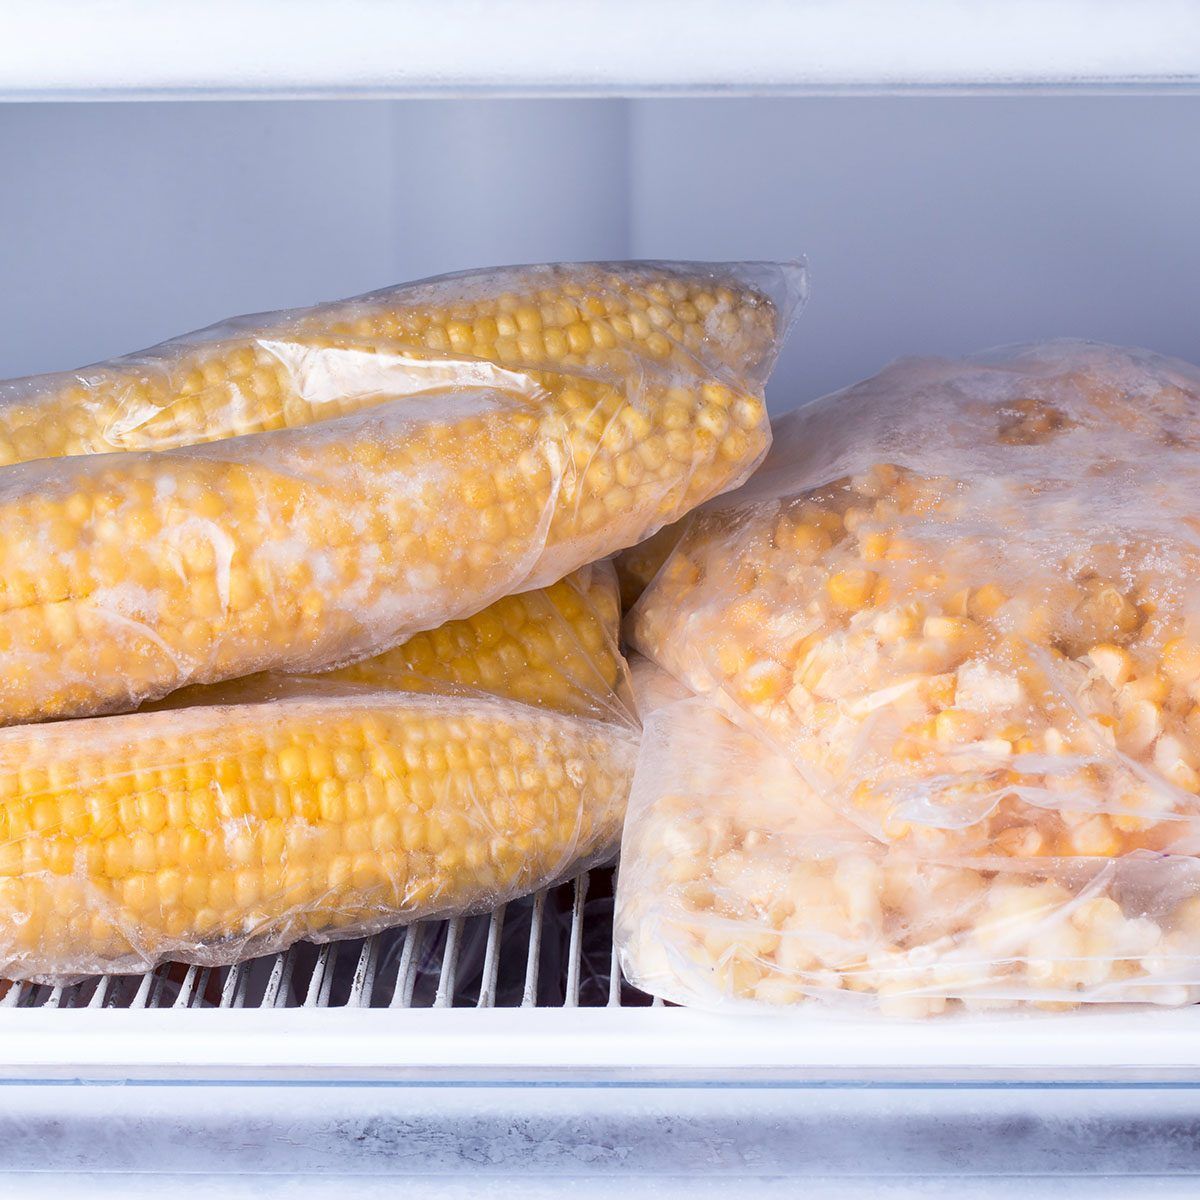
(312, 809)
(643, 327)
(266, 809)
(638, 565)
(964, 598)
(133, 574)
(739, 886)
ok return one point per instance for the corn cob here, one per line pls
(974, 625)
(664, 325)
(739, 885)
(552, 648)
(211, 834)
(128, 576)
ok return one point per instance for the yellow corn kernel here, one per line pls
(386, 843)
(957, 725)
(1113, 662)
(851, 589)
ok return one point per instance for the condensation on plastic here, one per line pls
(741, 887)
(964, 599)
(616, 397)
(242, 816)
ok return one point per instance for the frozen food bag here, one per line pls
(657, 333)
(964, 599)
(305, 548)
(740, 887)
(306, 808)
(267, 809)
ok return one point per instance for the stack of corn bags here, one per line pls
(315, 600)
(939, 742)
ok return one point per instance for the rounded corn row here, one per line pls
(556, 648)
(212, 834)
(740, 886)
(660, 325)
(961, 597)
(128, 575)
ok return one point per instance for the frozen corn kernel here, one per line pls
(492, 328)
(793, 903)
(213, 833)
(987, 623)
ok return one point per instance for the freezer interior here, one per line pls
(507, 1044)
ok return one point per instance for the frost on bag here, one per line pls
(964, 599)
(465, 767)
(132, 574)
(740, 886)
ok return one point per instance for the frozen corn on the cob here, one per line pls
(739, 885)
(557, 647)
(213, 833)
(130, 575)
(962, 598)
(664, 327)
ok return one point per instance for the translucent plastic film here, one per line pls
(214, 833)
(647, 329)
(739, 886)
(962, 598)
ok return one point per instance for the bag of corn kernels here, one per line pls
(740, 886)
(963, 598)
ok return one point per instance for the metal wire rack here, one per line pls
(551, 949)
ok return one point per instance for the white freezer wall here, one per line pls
(932, 224)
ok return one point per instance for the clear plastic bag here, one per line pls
(242, 816)
(964, 599)
(740, 886)
(641, 326)
(314, 809)
(130, 575)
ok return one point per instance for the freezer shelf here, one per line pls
(247, 48)
(531, 994)
(505, 1048)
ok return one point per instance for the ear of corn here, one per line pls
(210, 834)
(128, 576)
(557, 648)
(662, 323)
(303, 549)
